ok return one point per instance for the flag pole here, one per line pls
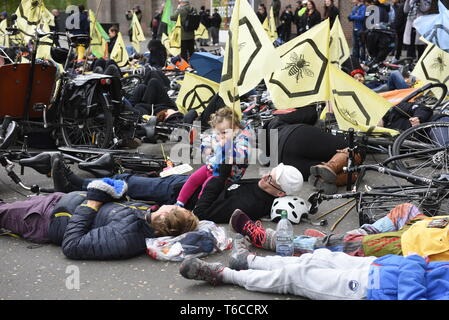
(90, 47)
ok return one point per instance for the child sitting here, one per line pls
(228, 144)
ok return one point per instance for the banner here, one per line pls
(137, 33)
(201, 32)
(303, 78)
(338, 46)
(435, 27)
(355, 105)
(195, 93)
(99, 37)
(166, 14)
(249, 56)
(119, 53)
(433, 66)
(4, 38)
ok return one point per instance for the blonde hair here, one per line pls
(223, 114)
(175, 223)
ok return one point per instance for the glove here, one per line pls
(106, 190)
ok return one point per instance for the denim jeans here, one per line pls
(160, 190)
(358, 47)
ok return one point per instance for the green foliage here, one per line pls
(11, 6)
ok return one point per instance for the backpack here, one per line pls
(192, 21)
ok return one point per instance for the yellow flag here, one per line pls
(119, 53)
(339, 50)
(269, 25)
(35, 12)
(433, 66)
(98, 43)
(355, 105)
(249, 55)
(166, 42)
(4, 38)
(45, 43)
(195, 93)
(175, 35)
(201, 32)
(137, 33)
(303, 78)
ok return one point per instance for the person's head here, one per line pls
(81, 8)
(172, 221)
(183, 3)
(3, 15)
(328, 3)
(311, 6)
(55, 12)
(203, 8)
(113, 32)
(262, 9)
(155, 44)
(223, 121)
(288, 7)
(359, 75)
(216, 10)
(282, 181)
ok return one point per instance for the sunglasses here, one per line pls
(270, 177)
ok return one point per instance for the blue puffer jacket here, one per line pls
(393, 277)
(116, 231)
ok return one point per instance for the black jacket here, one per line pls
(332, 13)
(116, 231)
(398, 117)
(219, 200)
(308, 21)
(215, 21)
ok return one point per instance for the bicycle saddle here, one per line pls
(103, 166)
(41, 163)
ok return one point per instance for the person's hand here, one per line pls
(106, 190)
(414, 121)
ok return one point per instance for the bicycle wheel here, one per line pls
(379, 202)
(82, 128)
(425, 150)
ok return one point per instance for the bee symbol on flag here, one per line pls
(439, 63)
(298, 67)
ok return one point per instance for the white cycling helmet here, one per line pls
(295, 207)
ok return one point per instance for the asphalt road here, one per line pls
(29, 271)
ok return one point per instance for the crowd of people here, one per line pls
(109, 218)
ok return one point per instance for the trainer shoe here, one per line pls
(238, 259)
(196, 269)
(60, 174)
(253, 231)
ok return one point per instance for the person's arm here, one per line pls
(407, 6)
(81, 242)
(175, 15)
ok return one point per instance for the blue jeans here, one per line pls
(160, 190)
(358, 47)
(395, 82)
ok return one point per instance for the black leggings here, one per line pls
(308, 146)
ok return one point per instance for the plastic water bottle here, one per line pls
(284, 236)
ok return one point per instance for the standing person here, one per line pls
(155, 22)
(330, 11)
(276, 4)
(414, 9)
(187, 37)
(299, 11)
(204, 19)
(400, 19)
(311, 17)
(59, 24)
(113, 35)
(215, 24)
(286, 20)
(357, 17)
(261, 13)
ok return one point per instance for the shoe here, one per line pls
(318, 183)
(314, 233)
(253, 231)
(196, 269)
(131, 143)
(238, 259)
(61, 173)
